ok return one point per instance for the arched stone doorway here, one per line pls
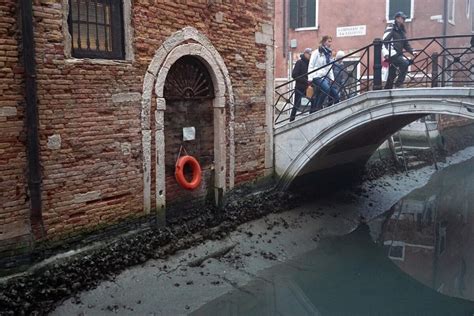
(190, 43)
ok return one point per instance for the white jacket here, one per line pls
(385, 49)
(316, 61)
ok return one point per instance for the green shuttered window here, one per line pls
(303, 13)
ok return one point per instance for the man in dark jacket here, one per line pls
(394, 51)
(300, 74)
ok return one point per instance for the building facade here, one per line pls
(302, 23)
(123, 87)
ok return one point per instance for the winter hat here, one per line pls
(340, 54)
(400, 14)
(308, 50)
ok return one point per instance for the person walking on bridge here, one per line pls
(300, 74)
(393, 52)
(322, 77)
(340, 75)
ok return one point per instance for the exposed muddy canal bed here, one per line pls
(181, 272)
(319, 258)
(416, 259)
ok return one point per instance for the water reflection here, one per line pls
(429, 234)
(421, 264)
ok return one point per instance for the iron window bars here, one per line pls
(96, 27)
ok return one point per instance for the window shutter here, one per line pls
(117, 31)
(400, 5)
(311, 13)
(293, 14)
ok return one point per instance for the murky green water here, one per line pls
(417, 259)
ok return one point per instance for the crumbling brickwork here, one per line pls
(89, 110)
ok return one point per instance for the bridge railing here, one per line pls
(438, 62)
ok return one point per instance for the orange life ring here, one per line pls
(195, 167)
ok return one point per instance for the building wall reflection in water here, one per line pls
(430, 233)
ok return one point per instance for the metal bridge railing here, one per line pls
(440, 61)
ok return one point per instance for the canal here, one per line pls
(415, 259)
(398, 245)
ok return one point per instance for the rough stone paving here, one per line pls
(90, 112)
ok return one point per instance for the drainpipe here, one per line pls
(33, 148)
(445, 20)
(285, 29)
(444, 42)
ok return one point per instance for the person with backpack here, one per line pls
(393, 51)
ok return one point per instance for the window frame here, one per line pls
(395, 243)
(387, 11)
(118, 40)
(441, 239)
(316, 20)
(472, 17)
(453, 8)
(128, 38)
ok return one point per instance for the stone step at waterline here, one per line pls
(413, 148)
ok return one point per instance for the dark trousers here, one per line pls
(325, 89)
(299, 93)
(400, 62)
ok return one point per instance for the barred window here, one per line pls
(96, 27)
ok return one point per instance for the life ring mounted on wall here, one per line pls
(196, 169)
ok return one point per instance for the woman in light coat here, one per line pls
(322, 77)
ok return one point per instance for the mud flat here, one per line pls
(189, 278)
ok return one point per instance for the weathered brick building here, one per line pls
(117, 81)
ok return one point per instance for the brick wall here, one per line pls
(449, 121)
(14, 216)
(89, 111)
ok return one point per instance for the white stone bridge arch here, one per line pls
(348, 133)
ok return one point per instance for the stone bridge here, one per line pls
(344, 136)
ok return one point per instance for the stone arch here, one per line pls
(186, 42)
(400, 112)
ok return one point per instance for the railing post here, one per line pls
(434, 69)
(377, 64)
